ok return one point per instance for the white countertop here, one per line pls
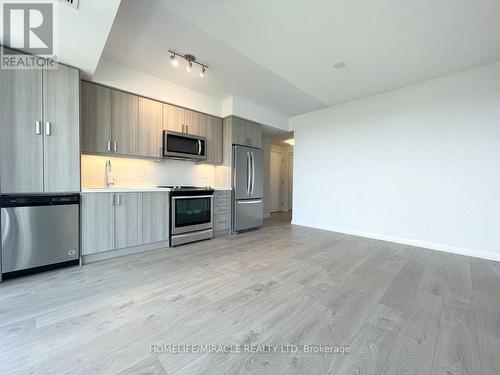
(132, 190)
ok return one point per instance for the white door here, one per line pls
(290, 181)
(276, 164)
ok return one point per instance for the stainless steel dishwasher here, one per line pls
(39, 232)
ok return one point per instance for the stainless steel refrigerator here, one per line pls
(248, 188)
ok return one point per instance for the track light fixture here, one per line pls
(190, 59)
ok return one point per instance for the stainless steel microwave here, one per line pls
(183, 146)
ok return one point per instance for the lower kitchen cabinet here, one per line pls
(128, 220)
(119, 220)
(98, 222)
(155, 217)
(222, 212)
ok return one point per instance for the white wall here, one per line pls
(254, 112)
(420, 165)
(144, 173)
(125, 78)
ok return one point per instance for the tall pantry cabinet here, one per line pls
(39, 131)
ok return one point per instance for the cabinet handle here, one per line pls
(118, 200)
(115, 146)
(108, 147)
(187, 129)
(48, 128)
(183, 126)
(113, 199)
(161, 152)
(38, 127)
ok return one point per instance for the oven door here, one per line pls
(191, 213)
(185, 146)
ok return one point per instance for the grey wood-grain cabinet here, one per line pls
(245, 132)
(213, 135)
(120, 220)
(96, 118)
(173, 118)
(97, 222)
(39, 132)
(155, 217)
(128, 219)
(120, 123)
(125, 123)
(222, 211)
(183, 120)
(150, 128)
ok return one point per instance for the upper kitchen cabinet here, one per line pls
(39, 132)
(125, 123)
(96, 118)
(116, 122)
(213, 135)
(182, 120)
(194, 122)
(246, 133)
(173, 118)
(150, 128)
(110, 121)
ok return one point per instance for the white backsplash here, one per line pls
(144, 173)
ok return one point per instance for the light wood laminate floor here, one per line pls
(402, 310)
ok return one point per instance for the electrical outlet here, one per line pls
(427, 227)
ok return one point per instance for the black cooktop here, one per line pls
(191, 189)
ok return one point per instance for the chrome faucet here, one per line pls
(107, 170)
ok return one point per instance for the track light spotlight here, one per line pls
(202, 73)
(174, 61)
(189, 65)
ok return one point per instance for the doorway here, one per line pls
(276, 181)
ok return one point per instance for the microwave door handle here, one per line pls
(199, 147)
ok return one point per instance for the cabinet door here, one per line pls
(213, 135)
(125, 123)
(150, 127)
(155, 217)
(97, 223)
(218, 140)
(194, 123)
(21, 144)
(128, 220)
(61, 98)
(257, 135)
(96, 118)
(248, 131)
(173, 118)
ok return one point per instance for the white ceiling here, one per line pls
(144, 31)
(281, 54)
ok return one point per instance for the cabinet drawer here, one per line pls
(222, 194)
(222, 222)
(226, 201)
(222, 210)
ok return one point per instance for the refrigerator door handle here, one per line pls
(248, 172)
(253, 173)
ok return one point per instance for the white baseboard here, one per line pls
(405, 241)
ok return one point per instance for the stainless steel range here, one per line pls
(191, 214)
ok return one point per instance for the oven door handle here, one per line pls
(191, 196)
